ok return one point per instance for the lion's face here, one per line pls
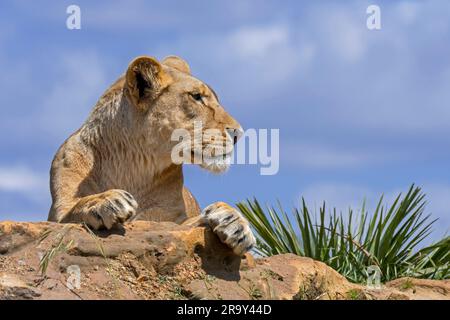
(172, 102)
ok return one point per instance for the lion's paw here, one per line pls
(230, 226)
(109, 208)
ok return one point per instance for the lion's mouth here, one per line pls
(201, 156)
(213, 163)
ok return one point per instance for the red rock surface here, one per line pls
(149, 260)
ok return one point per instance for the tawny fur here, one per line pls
(118, 165)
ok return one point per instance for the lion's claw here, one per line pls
(230, 226)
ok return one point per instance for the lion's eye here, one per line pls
(197, 97)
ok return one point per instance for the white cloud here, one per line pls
(407, 11)
(252, 61)
(347, 36)
(128, 15)
(269, 56)
(27, 192)
(312, 155)
(318, 156)
(21, 179)
(52, 109)
(339, 31)
(67, 105)
(338, 195)
(256, 42)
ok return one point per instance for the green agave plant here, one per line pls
(389, 238)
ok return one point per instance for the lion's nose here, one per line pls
(235, 133)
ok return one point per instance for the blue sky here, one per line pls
(360, 112)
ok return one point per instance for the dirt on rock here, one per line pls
(162, 260)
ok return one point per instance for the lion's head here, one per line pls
(166, 98)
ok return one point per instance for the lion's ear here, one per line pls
(177, 63)
(145, 79)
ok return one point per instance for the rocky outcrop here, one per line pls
(149, 260)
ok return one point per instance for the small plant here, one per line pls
(255, 293)
(59, 247)
(407, 284)
(179, 293)
(267, 273)
(98, 242)
(109, 266)
(312, 288)
(162, 278)
(389, 238)
(355, 294)
(44, 235)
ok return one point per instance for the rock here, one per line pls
(422, 289)
(280, 277)
(150, 260)
(12, 287)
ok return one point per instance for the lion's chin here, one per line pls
(216, 164)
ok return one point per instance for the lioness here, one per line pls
(117, 167)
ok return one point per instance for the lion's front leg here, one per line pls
(230, 226)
